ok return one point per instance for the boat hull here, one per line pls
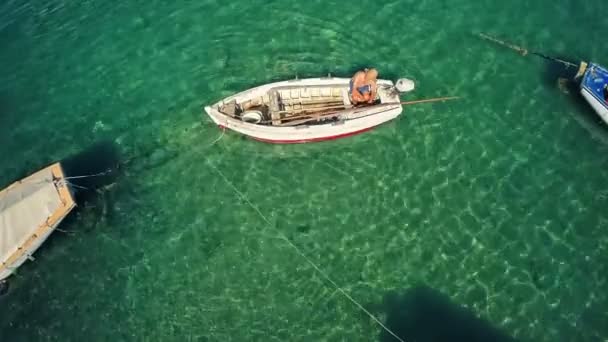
(31, 210)
(354, 122)
(309, 140)
(592, 86)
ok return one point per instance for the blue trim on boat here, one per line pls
(594, 81)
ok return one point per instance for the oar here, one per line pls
(437, 99)
(319, 116)
(524, 51)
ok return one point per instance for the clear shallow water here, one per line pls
(494, 204)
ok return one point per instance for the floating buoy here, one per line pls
(404, 85)
(252, 116)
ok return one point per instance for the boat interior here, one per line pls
(290, 106)
(597, 82)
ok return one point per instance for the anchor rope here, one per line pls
(91, 175)
(524, 51)
(302, 254)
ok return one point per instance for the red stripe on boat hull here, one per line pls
(301, 141)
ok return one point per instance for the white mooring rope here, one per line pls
(301, 253)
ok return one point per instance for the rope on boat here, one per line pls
(523, 51)
(303, 255)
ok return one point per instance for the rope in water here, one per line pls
(77, 186)
(218, 138)
(110, 170)
(303, 255)
(523, 51)
(90, 176)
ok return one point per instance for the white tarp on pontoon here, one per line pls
(29, 211)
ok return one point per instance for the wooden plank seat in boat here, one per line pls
(310, 97)
(275, 107)
(291, 101)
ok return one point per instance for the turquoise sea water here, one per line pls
(481, 216)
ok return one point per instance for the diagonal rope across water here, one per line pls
(303, 255)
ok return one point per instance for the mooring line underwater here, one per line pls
(302, 254)
(265, 219)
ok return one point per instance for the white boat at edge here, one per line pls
(30, 210)
(594, 78)
(294, 96)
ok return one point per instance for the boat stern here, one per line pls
(388, 93)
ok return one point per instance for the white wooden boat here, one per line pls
(593, 87)
(305, 110)
(30, 209)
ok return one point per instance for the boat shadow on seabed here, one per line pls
(97, 175)
(94, 175)
(92, 170)
(558, 76)
(423, 314)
